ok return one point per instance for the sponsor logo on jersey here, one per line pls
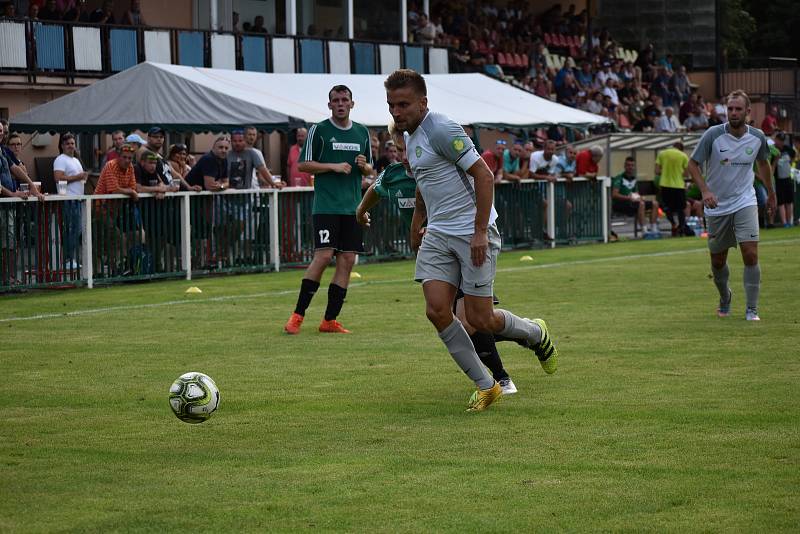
(728, 163)
(406, 203)
(748, 150)
(418, 151)
(348, 147)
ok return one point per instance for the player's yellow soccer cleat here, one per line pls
(293, 324)
(482, 398)
(332, 327)
(545, 350)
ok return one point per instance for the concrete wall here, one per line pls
(707, 80)
(172, 14)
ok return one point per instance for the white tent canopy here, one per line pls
(195, 99)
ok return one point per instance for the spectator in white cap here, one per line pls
(135, 138)
(136, 142)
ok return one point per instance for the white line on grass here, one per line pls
(224, 298)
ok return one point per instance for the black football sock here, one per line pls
(307, 290)
(487, 352)
(336, 295)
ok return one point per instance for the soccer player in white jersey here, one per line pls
(461, 243)
(729, 200)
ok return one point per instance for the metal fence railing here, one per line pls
(104, 239)
(769, 78)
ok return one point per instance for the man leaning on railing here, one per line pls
(118, 220)
(11, 144)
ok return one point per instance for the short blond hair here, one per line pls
(738, 93)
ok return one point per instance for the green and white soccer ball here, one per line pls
(193, 397)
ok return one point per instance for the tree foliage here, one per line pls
(737, 26)
(757, 29)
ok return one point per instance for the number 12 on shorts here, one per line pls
(324, 236)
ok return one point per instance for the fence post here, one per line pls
(88, 268)
(606, 182)
(274, 234)
(186, 236)
(551, 212)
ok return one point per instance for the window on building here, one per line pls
(322, 18)
(379, 21)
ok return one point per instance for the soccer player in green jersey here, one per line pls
(396, 184)
(337, 152)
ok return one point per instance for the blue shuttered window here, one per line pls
(312, 59)
(49, 46)
(254, 54)
(124, 51)
(364, 58)
(415, 58)
(190, 49)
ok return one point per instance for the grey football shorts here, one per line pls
(447, 258)
(726, 231)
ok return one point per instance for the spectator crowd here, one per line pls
(76, 11)
(547, 53)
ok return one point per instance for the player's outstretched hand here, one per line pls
(477, 248)
(342, 168)
(709, 200)
(363, 218)
(361, 161)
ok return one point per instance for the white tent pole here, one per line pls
(426, 8)
(404, 21)
(350, 20)
(291, 17)
(213, 15)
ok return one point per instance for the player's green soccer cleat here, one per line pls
(482, 398)
(545, 350)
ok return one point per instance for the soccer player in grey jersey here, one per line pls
(728, 151)
(460, 246)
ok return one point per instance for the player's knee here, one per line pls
(750, 257)
(438, 315)
(718, 262)
(324, 256)
(346, 259)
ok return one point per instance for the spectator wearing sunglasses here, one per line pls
(12, 151)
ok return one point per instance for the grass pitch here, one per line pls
(661, 416)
